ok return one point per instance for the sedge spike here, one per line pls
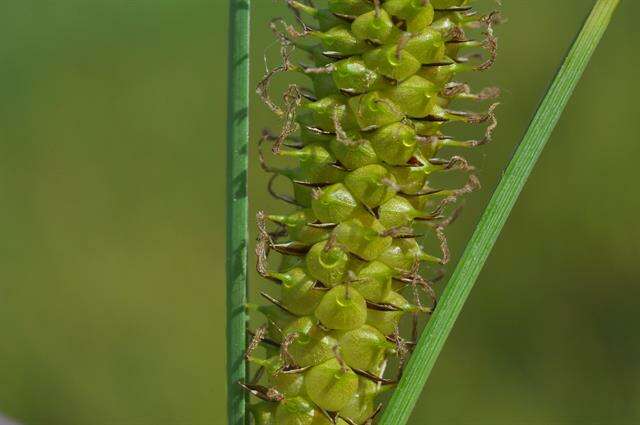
(364, 139)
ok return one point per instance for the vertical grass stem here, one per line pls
(237, 206)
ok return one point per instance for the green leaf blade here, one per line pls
(495, 215)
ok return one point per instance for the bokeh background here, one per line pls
(112, 147)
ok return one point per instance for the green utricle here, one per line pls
(363, 141)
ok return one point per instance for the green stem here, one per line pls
(439, 326)
(237, 223)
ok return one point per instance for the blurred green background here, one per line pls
(112, 142)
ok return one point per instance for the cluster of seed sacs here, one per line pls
(366, 138)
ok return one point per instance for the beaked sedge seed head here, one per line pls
(363, 140)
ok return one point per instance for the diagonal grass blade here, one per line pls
(437, 330)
